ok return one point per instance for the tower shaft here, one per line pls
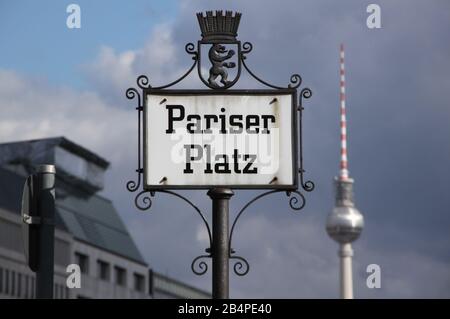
(346, 276)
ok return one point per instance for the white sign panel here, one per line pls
(237, 140)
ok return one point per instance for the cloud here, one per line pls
(398, 149)
(293, 258)
(31, 108)
(111, 73)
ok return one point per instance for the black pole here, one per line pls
(220, 250)
(46, 209)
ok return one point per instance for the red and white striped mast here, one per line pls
(345, 222)
(343, 173)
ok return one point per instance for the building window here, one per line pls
(139, 282)
(13, 283)
(19, 285)
(104, 270)
(121, 276)
(150, 282)
(6, 281)
(82, 261)
(26, 287)
(1, 280)
(33, 283)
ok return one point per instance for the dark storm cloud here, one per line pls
(399, 151)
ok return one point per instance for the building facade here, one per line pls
(88, 230)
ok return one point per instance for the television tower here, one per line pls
(345, 222)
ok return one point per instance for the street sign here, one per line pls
(30, 225)
(204, 139)
(220, 139)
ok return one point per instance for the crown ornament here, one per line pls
(219, 26)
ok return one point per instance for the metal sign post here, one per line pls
(220, 250)
(38, 215)
(219, 139)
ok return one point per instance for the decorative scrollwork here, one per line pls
(133, 186)
(247, 47)
(131, 93)
(241, 266)
(305, 93)
(259, 79)
(308, 185)
(190, 49)
(296, 81)
(296, 203)
(201, 265)
(205, 222)
(143, 200)
(179, 79)
(243, 210)
(143, 82)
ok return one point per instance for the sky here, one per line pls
(59, 81)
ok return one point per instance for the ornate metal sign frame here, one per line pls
(219, 31)
(294, 135)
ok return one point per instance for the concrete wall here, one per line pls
(168, 288)
(94, 287)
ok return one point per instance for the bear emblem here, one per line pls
(218, 54)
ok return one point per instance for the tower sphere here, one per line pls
(345, 224)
